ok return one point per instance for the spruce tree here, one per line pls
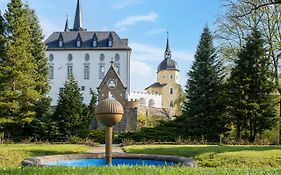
(37, 50)
(2, 37)
(251, 90)
(69, 111)
(18, 94)
(203, 110)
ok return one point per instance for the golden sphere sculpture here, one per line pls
(109, 112)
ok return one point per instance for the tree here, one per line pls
(92, 109)
(18, 94)
(2, 37)
(203, 110)
(69, 112)
(251, 91)
(234, 27)
(37, 50)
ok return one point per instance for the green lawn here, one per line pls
(216, 160)
(218, 156)
(12, 154)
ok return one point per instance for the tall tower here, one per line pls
(167, 79)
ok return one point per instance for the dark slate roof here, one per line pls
(168, 64)
(157, 84)
(70, 38)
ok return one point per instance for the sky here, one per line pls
(144, 22)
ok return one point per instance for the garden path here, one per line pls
(116, 148)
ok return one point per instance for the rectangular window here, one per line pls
(51, 72)
(69, 71)
(94, 43)
(171, 77)
(109, 43)
(87, 72)
(78, 43)
(102, 72)
(60, 43)
(171, 104)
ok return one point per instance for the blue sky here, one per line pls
(143, 22)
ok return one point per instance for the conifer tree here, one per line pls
(37, 50)
(18, 94)
(69, 111)
(203, 110)
(251, 91)
(2, 37)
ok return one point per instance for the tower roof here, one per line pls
(66, 28)
(168, 63)
(78, 20)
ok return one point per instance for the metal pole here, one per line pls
(108, 145)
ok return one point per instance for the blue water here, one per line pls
(115, 162)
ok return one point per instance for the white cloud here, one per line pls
(126, 3)
(132, 20)
(142, 75)
(140, 69)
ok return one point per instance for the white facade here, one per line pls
(86, 67)
(147, 99)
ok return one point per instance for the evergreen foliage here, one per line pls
(251, 91)
(203, 108)
(37, 50)
(70, 109)
(18, 94)
(92, 109)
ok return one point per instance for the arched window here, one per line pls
(142, 102)
(87, 57)
(117, 57)
(69, 57)
(151, 103)
(51, 72)
(171, 77)
(171, 91)
(51, 57)
(102, 57)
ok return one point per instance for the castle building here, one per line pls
(167, 84)
(86, 55)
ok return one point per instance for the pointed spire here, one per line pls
(168, 53)
(66, 28)
(78, 22)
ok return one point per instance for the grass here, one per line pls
(12, 154)
(218, 156)
(212, 160)
(126, 170)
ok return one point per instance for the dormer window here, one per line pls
(95, 41)
(78, 40)
(78, 43)
(60, 40)
(60, 43)
(110, 40)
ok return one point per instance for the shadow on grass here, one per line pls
(37, 153)
(193, 151)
